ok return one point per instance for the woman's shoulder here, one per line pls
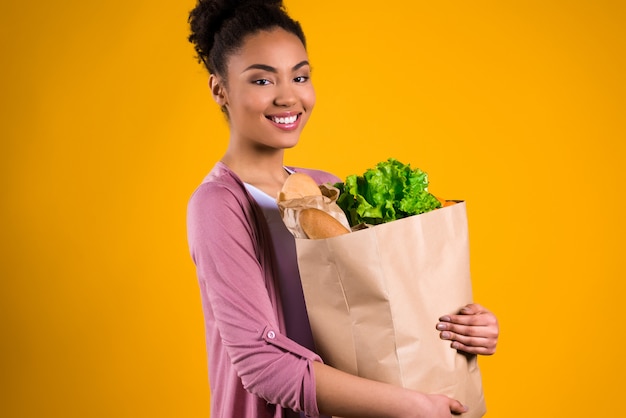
(221, 185)
(320, 176)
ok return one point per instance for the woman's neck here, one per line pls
(265, 171)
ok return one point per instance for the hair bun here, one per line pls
(219, 26)
(208, 17)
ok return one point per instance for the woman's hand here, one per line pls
(440, 406)
(473, 330)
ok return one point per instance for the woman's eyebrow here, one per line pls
(300, 65)
(271, 69)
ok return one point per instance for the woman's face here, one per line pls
(269, 95)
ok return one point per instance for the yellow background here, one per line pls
(107, 127)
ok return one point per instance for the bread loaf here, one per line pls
(318, 224)
(298, 185)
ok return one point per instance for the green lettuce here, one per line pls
(392, 190)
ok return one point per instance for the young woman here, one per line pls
(261, 355)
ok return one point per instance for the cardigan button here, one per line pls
(271, 335)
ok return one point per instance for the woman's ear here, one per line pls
(216, 85)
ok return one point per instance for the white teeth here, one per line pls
(290, 119)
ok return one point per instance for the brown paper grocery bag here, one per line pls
(374, 297)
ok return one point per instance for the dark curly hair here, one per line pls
(219, 27)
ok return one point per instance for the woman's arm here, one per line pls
(474, 330)
(243, 332)
(342, 394)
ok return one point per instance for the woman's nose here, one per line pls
(285, 95)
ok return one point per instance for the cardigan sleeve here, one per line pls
(224, 247)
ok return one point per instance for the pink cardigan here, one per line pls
(254, 369)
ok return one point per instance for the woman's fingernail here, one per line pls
(441, 326)
(445, 318)
(445, 335)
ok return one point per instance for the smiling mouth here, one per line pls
(284, 120)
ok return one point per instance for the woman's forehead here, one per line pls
(276, 48)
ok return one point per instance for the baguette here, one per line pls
(318, 224)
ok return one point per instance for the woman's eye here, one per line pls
(301, 79)
(262, 82)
